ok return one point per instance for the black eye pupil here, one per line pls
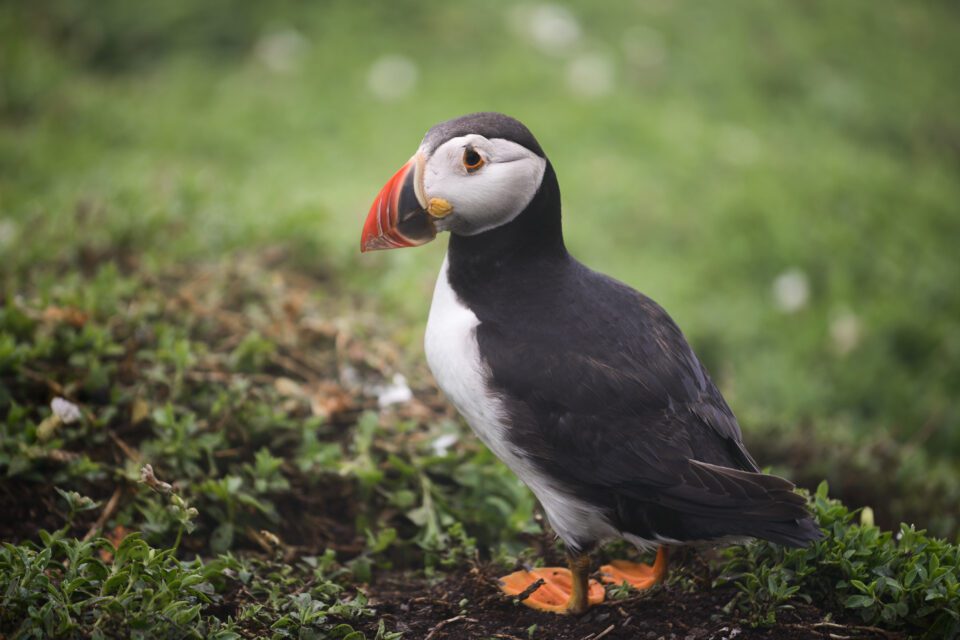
(471, 158)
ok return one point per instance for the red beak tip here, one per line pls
(380, 231)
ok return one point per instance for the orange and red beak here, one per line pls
(398, 217)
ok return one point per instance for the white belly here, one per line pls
(454, 358)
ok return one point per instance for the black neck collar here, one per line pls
(535, 234)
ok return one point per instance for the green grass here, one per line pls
(737, 143)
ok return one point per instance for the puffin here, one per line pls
(585, 388)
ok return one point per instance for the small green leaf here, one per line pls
(823, 489)
(857, 602)
(221, 540)
(860, 586)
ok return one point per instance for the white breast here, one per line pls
(454, 358)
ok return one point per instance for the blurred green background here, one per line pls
(782, 177)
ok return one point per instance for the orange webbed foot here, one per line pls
(555, 594)
(637, 575)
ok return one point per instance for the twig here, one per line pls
(291, 365)
(36, 376)
(843, 627)
(108, 511)
(853, 627)
(444, 623)
(526, 593)
(606, 631)
(131, 453)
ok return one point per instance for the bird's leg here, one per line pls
(560, 590)
(579, 564)
(637, 575)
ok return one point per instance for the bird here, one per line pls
(585, 388)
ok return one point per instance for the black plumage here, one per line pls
(603, 392)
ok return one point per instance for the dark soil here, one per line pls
(26, 508)
(469, 605)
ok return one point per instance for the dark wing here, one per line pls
(623, 410)
(611, 366)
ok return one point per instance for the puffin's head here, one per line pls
(469, 175)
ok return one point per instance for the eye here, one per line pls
(472, 160)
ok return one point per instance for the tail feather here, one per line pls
(714, 502)
(796, 533)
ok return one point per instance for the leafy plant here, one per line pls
(64, 587)
(904, 580)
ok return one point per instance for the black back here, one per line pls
(604, 394)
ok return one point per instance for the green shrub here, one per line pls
(906, 580)
(65, 587)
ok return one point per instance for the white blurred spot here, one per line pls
(590, 75)
(8, 233)
(644, 47)
(791, 290)
(350, 377)
(392, 77)
(397, 392)
(739, 145)
(65, 410)
(281, 51)
(845, 332)
(442, 444)
(550, 27)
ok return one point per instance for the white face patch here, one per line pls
(489, 196)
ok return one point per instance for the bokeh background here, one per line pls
(782, 177)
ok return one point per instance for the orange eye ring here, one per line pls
(472, 160)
